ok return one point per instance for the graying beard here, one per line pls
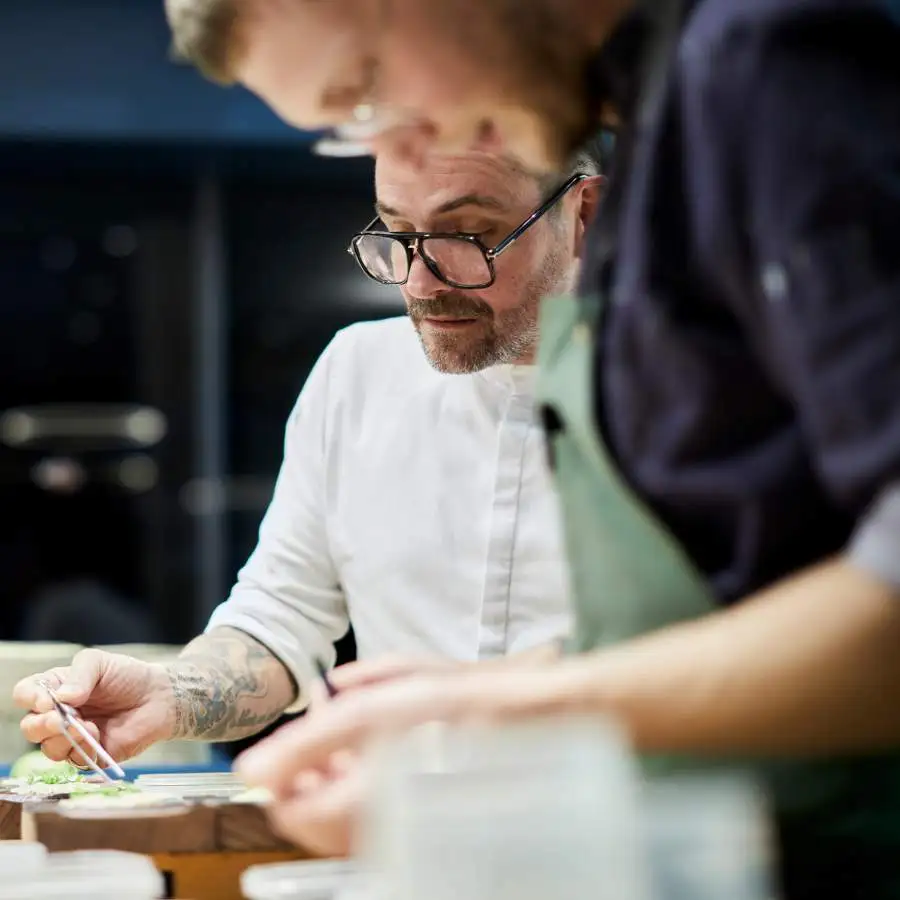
(494, 353)
(519, 328)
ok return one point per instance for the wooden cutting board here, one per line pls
(203, 827)
(10, 817)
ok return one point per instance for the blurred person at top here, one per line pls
(721, 400)
(414, 500)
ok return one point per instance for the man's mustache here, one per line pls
(457, 305)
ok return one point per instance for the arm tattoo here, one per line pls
(227, 686)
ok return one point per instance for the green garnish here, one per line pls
(54, 778)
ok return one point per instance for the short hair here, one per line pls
(207, 34)
(585, 162)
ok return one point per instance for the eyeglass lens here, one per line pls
(458, 260)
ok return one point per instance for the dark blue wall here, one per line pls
(99, 70)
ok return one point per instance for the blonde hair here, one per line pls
(207, 33)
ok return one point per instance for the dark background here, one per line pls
(166, 245)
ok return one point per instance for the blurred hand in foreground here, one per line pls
(370, 673)
(310, 766)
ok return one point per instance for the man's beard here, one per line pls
(492, 339)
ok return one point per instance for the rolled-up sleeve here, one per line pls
(811, 107)
(288, 595)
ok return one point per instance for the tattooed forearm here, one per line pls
(227, 686)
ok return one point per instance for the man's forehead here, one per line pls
(443, 178)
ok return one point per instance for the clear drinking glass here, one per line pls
(533, 811)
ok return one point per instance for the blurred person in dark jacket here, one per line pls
(721, 402)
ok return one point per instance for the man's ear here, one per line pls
(590, 194)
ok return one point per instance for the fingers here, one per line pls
(357, 675)
(342, 762)
(39, 727)
(349, 721)
(73, 684)
(321, 816)
(59, 749)
(56, 748)
(81, 677)
(353, 718)
(46, 729)
(318, 695)
(306, 744)
(86, 750)
(363, 674)
(30, 694)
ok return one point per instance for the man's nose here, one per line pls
(422, 282)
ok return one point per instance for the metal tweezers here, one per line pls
(70, 720)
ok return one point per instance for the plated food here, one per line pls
(36, 778)
(58, 787)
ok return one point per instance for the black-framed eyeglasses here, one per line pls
(458, 259)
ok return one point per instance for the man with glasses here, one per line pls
(414, 499)
(462, 332)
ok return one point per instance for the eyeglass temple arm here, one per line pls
(514, 235)
(551, 201)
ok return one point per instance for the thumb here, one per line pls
(82, 676)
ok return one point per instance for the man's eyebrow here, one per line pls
(481, 200)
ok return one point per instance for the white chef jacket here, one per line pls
(414, 504)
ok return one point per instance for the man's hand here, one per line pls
(369, 673)
(321, 813)
(127, 705)
(318, 806)
(224, 686)
(351, 720)
(810, 667)
(807, 668)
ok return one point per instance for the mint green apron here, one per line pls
(629, 576)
